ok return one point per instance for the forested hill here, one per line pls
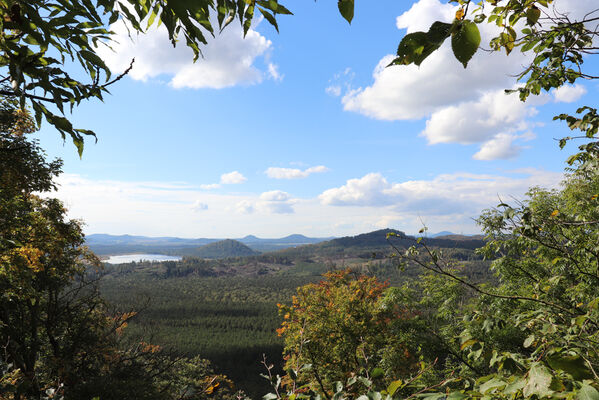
(376, 243)
(221, 249)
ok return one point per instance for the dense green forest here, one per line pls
(226, 310)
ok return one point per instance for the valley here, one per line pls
(225, 309)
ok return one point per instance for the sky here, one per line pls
(307, 131)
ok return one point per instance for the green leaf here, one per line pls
(587, 392)
(377, 373)
(269, 17)
(346, 8)
(491, 385)
(414, 48)
(465, 41)
(532, 15)
(574, 365)
(538, 381)
(529, 341)
(393, 386)
(438, 32)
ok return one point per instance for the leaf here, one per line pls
(414, 48)
(393, 386)
(574, 365)
(490, 385)
(468, 343)
(346, 8)
(269, 17)
(465, 41)
(377, 373)
(538, 381)
(587, 392)
(532, 15)
(529, 341)
(438, 32)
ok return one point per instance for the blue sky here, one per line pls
(306, 132)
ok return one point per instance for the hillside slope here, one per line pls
(221, 249)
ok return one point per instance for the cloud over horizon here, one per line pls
(445, 202)
(293, 173)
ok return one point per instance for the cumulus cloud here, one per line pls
(277, 202)
(446, 194)
(461, 106)
(412, 92)
(500, 147)
(478, 121)
(275, 195)
(293, 173)
(444, 202)
(232, 178)
(244, 207)
(370, 190)
(569, 93)
(228, 60)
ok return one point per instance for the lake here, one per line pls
(127, 258)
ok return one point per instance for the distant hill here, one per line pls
(447, 234)
(221, 249)
(267, 245)
(104, 244)
(368, 244)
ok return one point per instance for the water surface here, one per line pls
(127, 258)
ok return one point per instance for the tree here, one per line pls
(343, 328)
(51, 327)
(35, 32)
(58, 338)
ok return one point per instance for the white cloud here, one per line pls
(232, 178)
(500, 147)
(446, 202)
(210, 186)
(369, 190)
(478, 121)
(277, 202)
(341, 81)
(446, 194)
(333, 90)
(228, 59)
(273, 72)
(461, 105)
(244, 207)
(275, 195)
(293, 173)
(569, 93)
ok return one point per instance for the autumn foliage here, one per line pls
(337, 329)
